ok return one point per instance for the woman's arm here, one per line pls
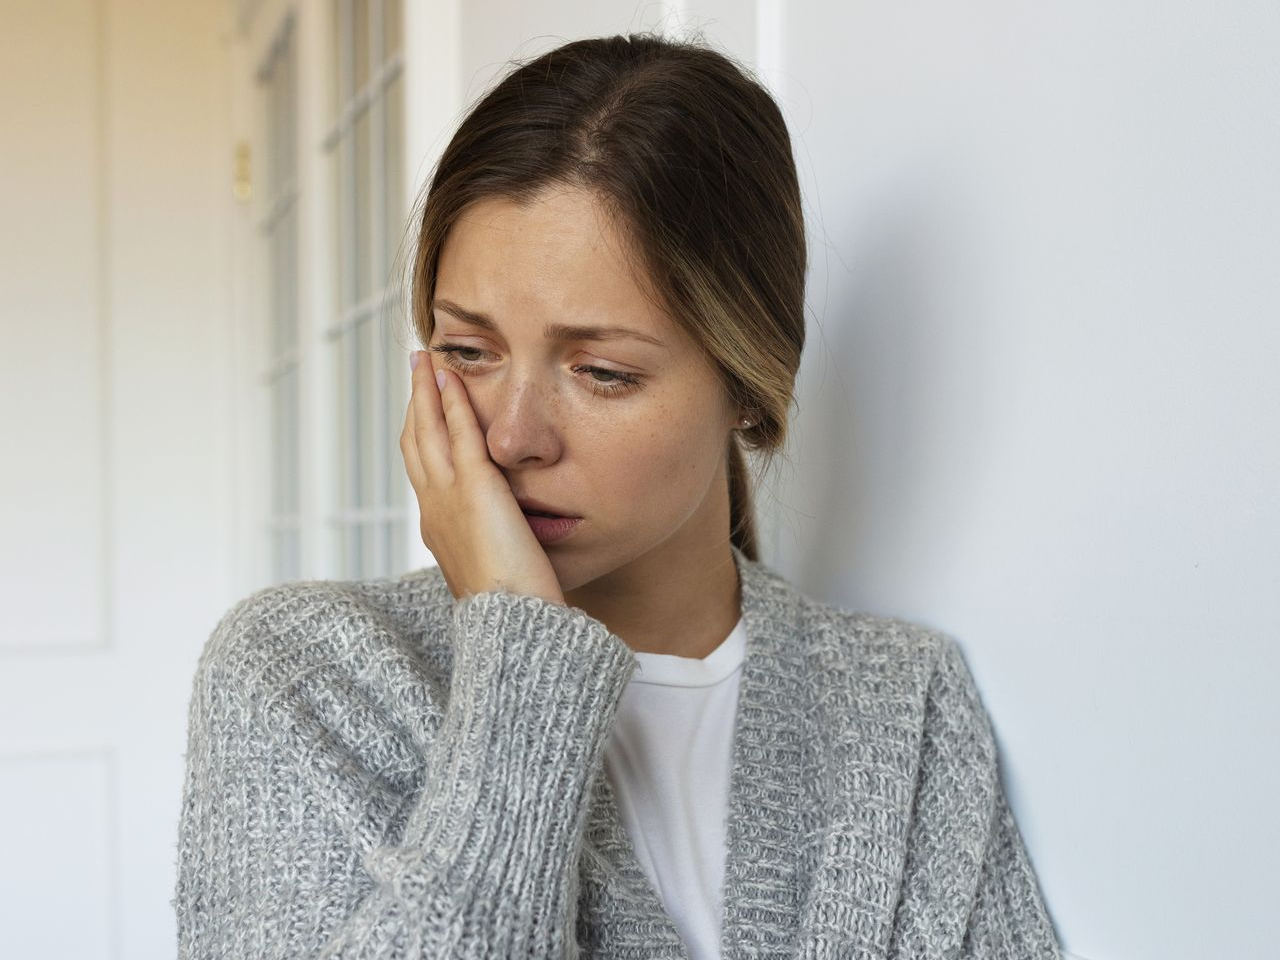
(968, 890)
(480, 863)
(1009, 918)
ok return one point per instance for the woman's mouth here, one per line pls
(549, 528)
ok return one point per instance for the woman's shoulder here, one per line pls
(837, 643)
(895, 662)
(281, 631)
(836, 633)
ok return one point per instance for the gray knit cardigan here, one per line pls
(377, 770)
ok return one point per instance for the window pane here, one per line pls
(288, 118)
(391, 28)
(395, 378)
(295, 313)
(338, 34)
(295, 552)
(290, 441)
(286, 560)
(360, 37)
(363, 213)
(370, 411)
(371, 560)
(355, 560)
(388, 428)
(346, 222)
(333, 170)
(288, 277)
(345, 449)
(393, 172)
(358, 401)
(270, 116)
(277, 556)
(275, 399)
(350, 540)
(275, 291)
(397, 542)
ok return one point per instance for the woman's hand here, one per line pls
(470, 520)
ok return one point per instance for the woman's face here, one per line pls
(635, 446)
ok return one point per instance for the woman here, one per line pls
(613, 732)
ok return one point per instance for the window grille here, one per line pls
(278, 226)
(370, 520)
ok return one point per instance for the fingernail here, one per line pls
(440, 379)
(413, 360)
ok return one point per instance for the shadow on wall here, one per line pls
(906, 365)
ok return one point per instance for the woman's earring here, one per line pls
(745, 421)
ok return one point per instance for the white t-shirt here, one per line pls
(668, 760)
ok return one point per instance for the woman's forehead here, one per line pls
(553, 261)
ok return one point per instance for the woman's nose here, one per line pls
(522, 428)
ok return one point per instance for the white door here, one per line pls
(183, 390)
(116, 511)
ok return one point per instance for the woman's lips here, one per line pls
(552, 529)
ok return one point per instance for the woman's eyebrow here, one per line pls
(552, 331)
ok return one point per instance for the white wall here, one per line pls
(1040, 412)
(1039, 406)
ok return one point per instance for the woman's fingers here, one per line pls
(469, 518)
(429, 429)
(443, 425)
(466, 441)
(409, 446)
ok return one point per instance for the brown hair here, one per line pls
(690, 153)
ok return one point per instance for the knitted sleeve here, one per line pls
(969, 891)
(293, 842)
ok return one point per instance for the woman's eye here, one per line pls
(619, 384)
(456, 350)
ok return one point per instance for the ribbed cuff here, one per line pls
(534, 691)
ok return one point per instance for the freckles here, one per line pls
(676, 458)
(654, 448)
(665, 439)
